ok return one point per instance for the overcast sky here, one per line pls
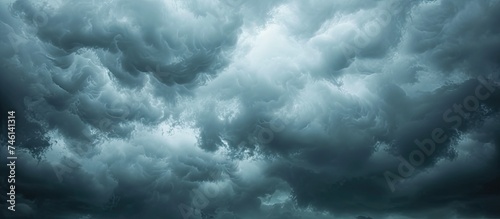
(249, 109)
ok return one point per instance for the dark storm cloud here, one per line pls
(142, 36)
(333, 149)
(112, 44)
(263, 109)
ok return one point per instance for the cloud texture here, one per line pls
(241, 109)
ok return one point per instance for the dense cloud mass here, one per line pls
(236, 109)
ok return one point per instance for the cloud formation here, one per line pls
(253, 109)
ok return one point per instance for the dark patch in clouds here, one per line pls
(241, 109)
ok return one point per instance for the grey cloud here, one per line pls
(251, 109)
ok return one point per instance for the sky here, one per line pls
(263, 109)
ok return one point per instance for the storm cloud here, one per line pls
(241, 109)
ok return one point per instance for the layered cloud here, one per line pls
(253, 109)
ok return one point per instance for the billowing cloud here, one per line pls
(252, 109)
